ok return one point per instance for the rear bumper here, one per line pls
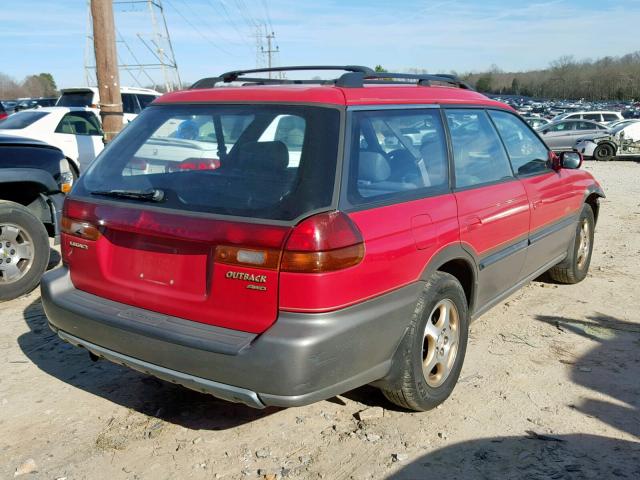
(300, 359)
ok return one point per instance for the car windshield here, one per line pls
(75, 99)
(269, 162)
(21, 120)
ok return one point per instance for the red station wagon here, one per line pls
(285, 241)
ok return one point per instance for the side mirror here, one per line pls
(544, 132)
(571, 160)
(554, 161)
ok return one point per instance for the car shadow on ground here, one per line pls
(54, 258)
(611, 368)
(531, 457)
(126, 387)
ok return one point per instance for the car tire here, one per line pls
(430, 342)
(24, 253)
(576, 266)
(604, 152)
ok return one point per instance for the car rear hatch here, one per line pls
(187, 212)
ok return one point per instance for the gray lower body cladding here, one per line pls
(300, 359)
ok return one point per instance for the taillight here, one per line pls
(79, 229)
(323, 243)
(74, 220)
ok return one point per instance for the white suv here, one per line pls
(133, 99)
(600, 117)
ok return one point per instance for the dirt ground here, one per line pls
(550, 390)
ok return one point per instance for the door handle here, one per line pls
(472, 223)
(536, 203)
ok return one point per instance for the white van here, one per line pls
(133, 99)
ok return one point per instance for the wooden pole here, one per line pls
(104, 44)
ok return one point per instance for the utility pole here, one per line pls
(269, 51)
(104, 44)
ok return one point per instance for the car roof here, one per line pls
(582, 112)
(122, 90)
(333, 95)
(60, 109)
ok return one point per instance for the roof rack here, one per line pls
(355, 76)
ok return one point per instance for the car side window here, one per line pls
(592, 116)
(79, 123)
(586, 126)
(130, 103)
(609, 117)
(145, 100)
(562, 127)
(397, 154)
(478, 154)
(528, 154)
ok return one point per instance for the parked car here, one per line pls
(621, 141)
(283, 279)
(9, 106)
(604, 117)
(536, 122)
(74, 130)
(33, 179)
(562, 135)
(134, 100)
(3, 112)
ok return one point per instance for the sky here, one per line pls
(212, 36)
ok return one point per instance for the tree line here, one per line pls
(40, 85)
(608, 78)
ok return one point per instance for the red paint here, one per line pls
(391, 258)
(165, 263)
(396, 94)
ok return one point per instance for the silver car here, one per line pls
(562, 135)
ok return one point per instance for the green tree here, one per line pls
(483, 84)
(380, 69)
(49, 84)
(515, 86)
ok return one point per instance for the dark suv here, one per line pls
(33, 179)
(285, 241)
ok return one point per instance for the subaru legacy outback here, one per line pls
(280, 242)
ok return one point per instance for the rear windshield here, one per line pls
(258, 161)
(75, 99)
(21, 120)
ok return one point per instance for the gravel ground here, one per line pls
(550, 389)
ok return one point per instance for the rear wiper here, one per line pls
(152, 194)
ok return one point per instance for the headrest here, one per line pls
(373, 167)
(263, 156)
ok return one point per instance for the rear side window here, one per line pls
(76, 99)
(130, 103)
(592, 116)
(145, 100)
(79, 123)
(478, 154)
(610, 117)
(21, 120)
(258, 161)
(528, 154)
(396, 155)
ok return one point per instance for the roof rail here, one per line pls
(235, 75)
(355, 76)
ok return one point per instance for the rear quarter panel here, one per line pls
(400, 240)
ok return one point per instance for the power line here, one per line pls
(205, 23)
(197, 30)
